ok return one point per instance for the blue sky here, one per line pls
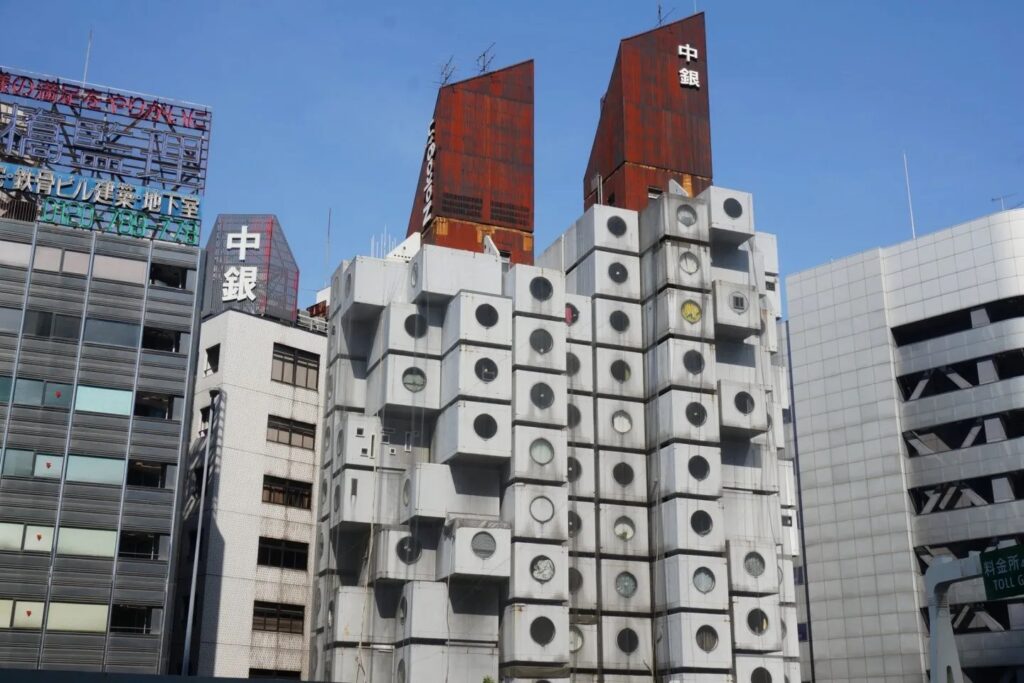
(323, 105)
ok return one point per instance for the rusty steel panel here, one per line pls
(456, 234)
(630, 185)
(648, 117)
(478, 158)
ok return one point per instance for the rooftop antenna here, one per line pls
(485, 59)
(662, 15)
(327, 253)
(88, 53)
(1002, 200)
(910, 201)
(447, 71)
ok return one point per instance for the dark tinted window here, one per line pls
(291, 432)
(295, 367)
(51, 325)
(277, 552)
(10, 319)
(296, 494)
(277, 617)
(112, 333)
(156, 339)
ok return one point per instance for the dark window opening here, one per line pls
(111, 332)
(204, 420)
(149, 474)
(798, 575)
(140, 545)
(958, 321)
(962, 375)
(974, 431)
(52, 325)
(277, 552)
(276, 673)
(291, 432)
(295, 367)
(132, 619)
(158, 406)
(654, 192)
(963, 493)
(288, 492)
(277, 617)
(171, 341)
(926, 555)
(175, 277)
(212, 360)
(611, 199)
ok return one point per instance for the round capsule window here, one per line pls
(619, 321)
(622, 473)
(686, 215)
(744, 402)
(408, 550)
(762, 675)
(704, 580)
(572, 315)
(625, 584)
(693, 361)
(757, 621)
(624, 529)
(542, 509)
(575, 580)
(689, 262)
(732, 207)
(696, 414)
(416, 325)
(573, 415)
(542, 395)
(574, 469)
(541, 288)
(699, 467)
(700, 522)
(406, 492)
(541, 451)
(738, 302)
(616, 226)
(572, 364)
(486, 370)
(542, 630)
(621, 371)
(414, 380)
(541, 341)
(707, 638)
(542, 569)
(575, 639)
(753, 563)
(618, 273)
(483, 545)
(622, 422)
(487, 315)
(575, 524)
(414, 274)
(691, 311)
(485, 426)
(627, 640)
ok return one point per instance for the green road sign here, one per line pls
(1003, 571)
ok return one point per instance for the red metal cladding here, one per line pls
(652, 126)
(478, 159)
(455, 234)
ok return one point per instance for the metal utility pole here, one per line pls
(910, 201)
(943, 658)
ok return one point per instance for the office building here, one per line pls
(906, 367)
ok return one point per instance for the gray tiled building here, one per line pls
(907, 365)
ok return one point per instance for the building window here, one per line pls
(112, 333)
(174, 277)
(31, 392)
(150, 474)
(14, 253)
(295, 494)
(10, 320)
(653, 192)
(801, 632)
(91, 470)
(26, 537)
(86, 542)
(158, 406)
(133, 619)
(212, 360)
(101, 400)
(291, 432)
(29, 464)
(295, 367)
(278, 617)
(69, 616)
(119, 269)
(798, 575)
(140, 545)
(169, 341)
(52, 325)
(276, 673)
(277, 552)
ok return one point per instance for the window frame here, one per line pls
(279, 553)
(277, 426)
(287, 492)
(278, 617)
(287, 362)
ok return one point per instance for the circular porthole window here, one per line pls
(416, 325)
(542, 509)
(700, 522)
(414, 379)
(542, 395)
(400, 673)
(738, 302)
(627, 640)
(572, 364)
(689, 262)
(691, 311)
(623, 474)
(542, 569)
(744, 403)
(707, 638)
(575, 639)
(575, 580)
(616, 226)
(696, 414)
(625, 584)
(575, 524)
(757, 621)
(618, 273)
(408, 550)
(541, 341)
(414, 274)
(704, 580)
(619, 321)
(485, 426)
(732, 208)
(406, 491)
(573, 416)
(541, 289)
(686, 215)
(542, 630)
(541, 451)
(486, 370)
(699, 467)
(624, 529)
(693, 361)
(483, 545)
(622, 422)
(753, 563)
(760, 675)
(487, 315)
(572, 315)
(574, 469)
(620, 371)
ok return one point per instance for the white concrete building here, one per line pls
(572, 470)
(907, 369)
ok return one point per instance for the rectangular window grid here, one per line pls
(291, 432)
(277, 617)
(296, 494)
(277, 552)
(295, 367)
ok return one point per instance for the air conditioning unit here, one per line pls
(452, 663)
(625, 586)
(405, 384)
(428, 610)
(689, 469)
(535, 634)
(618, 324)
(579, 367)
(690, 525)
(581, 474)
(623, 530)
(536, 291)
(620, 424)
(436, 274)
(623, 477)
(579, 417)
(370, 284)
(753, 668)
(620, 373)
(602, 227)
(606, 274)
(682, 415)
(538, 454)
(582, 528)
(539, 344)
(678, 313)
(578, 319)
(737, 313)
(364, 615)
(474, 318)
(357, 443)
(755, 569)
(756, 623)
(681, 364)
(536, 511)
(403, 556)
(675, 264)
(366, 497)
(407, 328)
(359, 665)
(674, 217)
(539, 398)
(583, 642)
(583, 586)
(790, 636)
(476, 372)
(691, 582)
(540, 571)
(742, 409)
(731, 215)
(433, 491)
(696, 640)
(468, 431)
(473, 548)
(627, 643)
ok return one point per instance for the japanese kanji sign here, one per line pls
(689, 78)
(1003, 572)
(240, 281)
